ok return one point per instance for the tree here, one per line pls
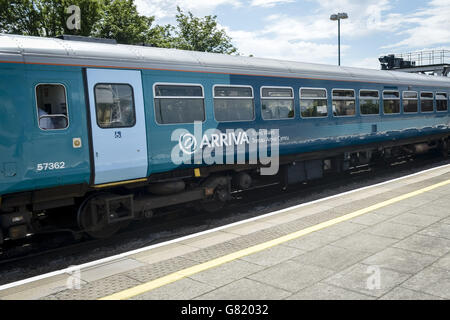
(113, 19)
(47, 17)
(193, 33)
(121, 21)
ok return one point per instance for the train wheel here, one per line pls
(217, 202)
(92, 219)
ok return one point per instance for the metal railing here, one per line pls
(426, 58)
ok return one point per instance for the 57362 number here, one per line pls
(46, 166)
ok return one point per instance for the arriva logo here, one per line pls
(235, 146)
(188, 142)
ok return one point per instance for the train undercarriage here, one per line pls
(100, 213)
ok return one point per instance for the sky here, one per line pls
(301, 30)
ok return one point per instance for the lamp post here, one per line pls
(338, 17)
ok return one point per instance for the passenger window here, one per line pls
(179, 104)
(369, 102)
(426, 101)
(391, 102)
(313, 103)
(233, 103)
(410, 101)
(114, 104)
(344, 103)
(441, 101)
(277, 103)
(52, 106)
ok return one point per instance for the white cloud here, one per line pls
(268, 3)
(425, 27)
(163, 9)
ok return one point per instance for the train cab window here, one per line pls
(179, 103)
(344, 102)
(391, 102)
(277, 103)
(313, 102)
(52, 106)
(369, 102)
(410, 101)
(426, 101)
(441, 101)
(233, 103)
(114, 104)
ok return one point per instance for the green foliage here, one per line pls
(121, 21)
(113, 19)
(193, 33)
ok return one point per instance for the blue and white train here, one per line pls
(90, 125)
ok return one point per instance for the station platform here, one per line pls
(386, 241)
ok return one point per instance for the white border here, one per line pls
(126, 254)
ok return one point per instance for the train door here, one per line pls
(118, 125)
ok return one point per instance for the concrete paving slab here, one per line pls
(245, 289)
(332, 257)
(440, 230)
(400, 293)
(38, 289)
(109, 269)
(368, 280)
(342, 229)
(248, 228)
(370, 219)
(392, 230)
(394, 209)
(432, 210)
(443, 263)
(96, 289)
(323, 291)
(434, 281)
(417, 220)
(183, 289)
(209, 239)
(163, 253)
(400, 260)
(291, 276)
(364, 242)
(425, 244)
(311, 241)
(273, 256)
(229, 272)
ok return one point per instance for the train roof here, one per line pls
(39, 50)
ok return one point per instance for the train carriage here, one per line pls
(90, 124)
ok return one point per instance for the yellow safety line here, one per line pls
(119, 183)
(140, 289)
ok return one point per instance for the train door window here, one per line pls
(233, 103)
(114, 104)
(176, 103)
(313, 102)
(426, 101)
(344, 102)
(391, 102)
(410, 101)
(441, 101)
(277, 103)
(369, 102)
(51, 104)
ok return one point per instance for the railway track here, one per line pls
(51, 253)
